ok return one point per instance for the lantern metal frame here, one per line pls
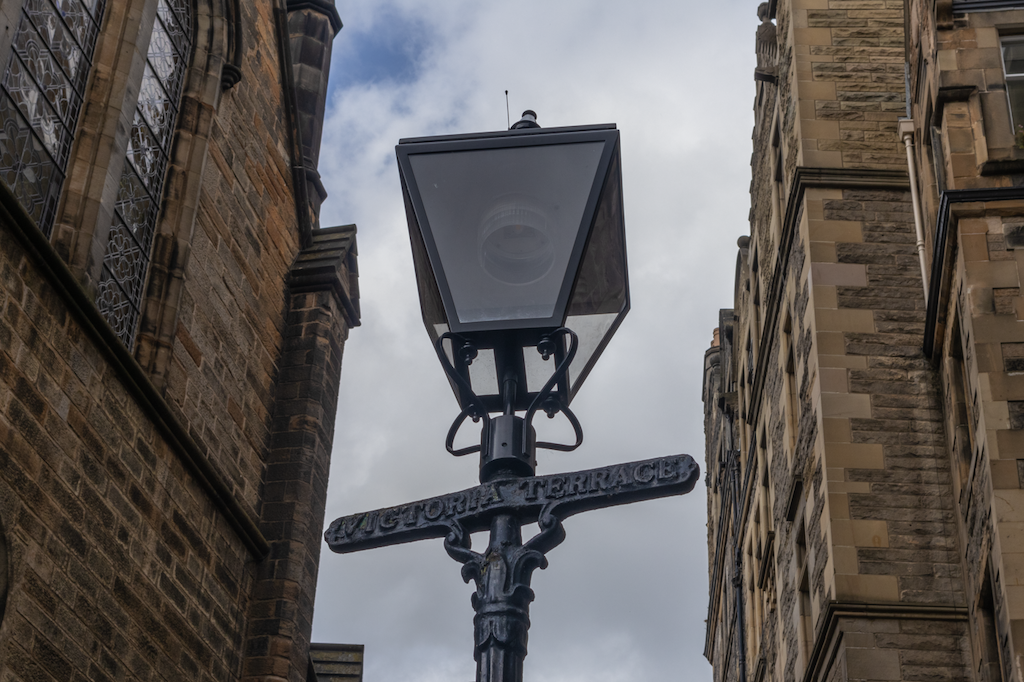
(509, 339)
(525, 137)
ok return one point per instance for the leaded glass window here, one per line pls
(126, 262)
(40, 96)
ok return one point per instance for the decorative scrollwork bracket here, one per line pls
(503, 594)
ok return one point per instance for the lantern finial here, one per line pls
(529, 120)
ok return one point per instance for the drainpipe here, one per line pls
(906, 86)
(906, 132)
(737, 576)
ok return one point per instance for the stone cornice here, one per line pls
(330, 264)
(826, 644)
(55, 271)
(325, 7)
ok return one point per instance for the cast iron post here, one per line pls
(503, 595)
(502, 604)
(509, 495)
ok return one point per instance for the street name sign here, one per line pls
(557, 495)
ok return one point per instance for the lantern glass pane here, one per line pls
(431, 306)
(483, 376)
(591, 330)
(538, 371)
(504, 222)
(601, 296)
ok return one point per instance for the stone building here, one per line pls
(864, 396)
(172, 320)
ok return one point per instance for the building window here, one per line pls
(126, 262)
(1013, 67)
(792, 405)
(962, 415)
(804, 624)
(40, 96)
(986, 654)
(978, 5)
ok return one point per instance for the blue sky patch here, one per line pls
(389, 50)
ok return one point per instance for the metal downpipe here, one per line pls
(906, 130)
(737, 576)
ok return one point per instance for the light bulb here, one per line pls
(514, 244)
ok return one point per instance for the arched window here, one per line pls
(40, 96)
(126, 261)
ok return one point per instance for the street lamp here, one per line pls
(519, 247)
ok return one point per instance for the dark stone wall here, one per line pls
(295, 486)
(122, 566)
(162, 512)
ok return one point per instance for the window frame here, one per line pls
(49, 162)
(1015, 124)
(124, 274)
(962, 6)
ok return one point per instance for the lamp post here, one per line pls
(519, 248)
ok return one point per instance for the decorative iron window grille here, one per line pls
(126, 262)
(40, 96)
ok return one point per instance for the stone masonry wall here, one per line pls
(959, 85)
(296, 488)
(789, 111)
(122, 567)
(720, 551)
(793, 439)
(134, 550)
(228, 338)
(891, 526)
(849, 72)
(898, 566)
(985, 298)
(901, 649)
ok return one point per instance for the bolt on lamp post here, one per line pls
(519, 247)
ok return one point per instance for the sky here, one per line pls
(625, 596)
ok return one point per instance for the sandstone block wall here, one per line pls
(121, 564)
(850, 552)
(969, 165)
(223, 363)
(892, 529)
(161, 505)
(848, 90)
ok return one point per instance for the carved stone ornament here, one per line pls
(766, 46)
